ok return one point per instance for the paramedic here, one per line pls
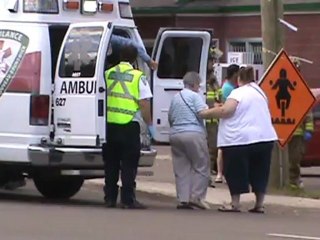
(128, 99)
(297, 144)
(214, 95)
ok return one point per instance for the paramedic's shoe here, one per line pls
(111, 204)
(134, 205)
(301, 185)
(298, 186)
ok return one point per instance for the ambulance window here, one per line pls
(179, 55)
(80, 52)
(40, 6)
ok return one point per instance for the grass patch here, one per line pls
(296, 192)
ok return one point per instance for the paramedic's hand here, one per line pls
(151, 131)
(307, 136)
(153, 64)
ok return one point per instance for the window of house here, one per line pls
(256, 49)
(252, 49)
(178, 56)
(80, 52)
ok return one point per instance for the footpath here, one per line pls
(162, 182)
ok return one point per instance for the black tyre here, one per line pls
(58, 187)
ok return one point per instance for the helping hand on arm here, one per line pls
(220, 111)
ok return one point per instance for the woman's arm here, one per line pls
(224, 111)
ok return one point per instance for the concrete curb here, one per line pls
(163, 157)
(218, 196)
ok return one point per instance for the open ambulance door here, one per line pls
(177, 51)
(80, 89)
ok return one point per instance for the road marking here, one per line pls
(292, 236)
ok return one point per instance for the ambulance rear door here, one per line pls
(79, 92)
(177, 51)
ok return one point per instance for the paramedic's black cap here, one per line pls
(128, 53)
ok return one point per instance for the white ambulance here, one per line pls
(53, 55)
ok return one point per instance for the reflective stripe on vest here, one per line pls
(216, 94)
(213, 120)
(123, 93)
(308, 126)
(211, 96)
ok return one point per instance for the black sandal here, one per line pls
(259, 210)
(184, 205)
(228, 208)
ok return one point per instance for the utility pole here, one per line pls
(273, 42)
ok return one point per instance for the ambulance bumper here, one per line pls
(77, 158)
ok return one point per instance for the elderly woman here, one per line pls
(246, 137)
(189, 145)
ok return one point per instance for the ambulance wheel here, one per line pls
(58, 187)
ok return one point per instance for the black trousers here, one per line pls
(247, 165)
(121, 152)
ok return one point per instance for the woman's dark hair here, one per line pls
(246, 74)
(231, 70)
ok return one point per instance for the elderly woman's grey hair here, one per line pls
(191, 79)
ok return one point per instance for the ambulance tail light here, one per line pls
(105, 7)
(71, 5)
(39, 110)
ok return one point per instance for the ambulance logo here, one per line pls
(13, 47)
(4, 54)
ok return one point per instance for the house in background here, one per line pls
(237, 26)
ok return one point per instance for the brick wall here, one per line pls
(304, 43)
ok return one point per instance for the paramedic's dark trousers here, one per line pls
(122, 150)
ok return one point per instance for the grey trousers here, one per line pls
(191, 165)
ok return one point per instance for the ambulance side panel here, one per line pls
(25, 62)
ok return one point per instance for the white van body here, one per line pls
(53, 56)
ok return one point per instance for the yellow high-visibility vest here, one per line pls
(123, 93)
(307, 125)
(212, 96)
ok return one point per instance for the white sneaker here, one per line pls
(301, 185)
(200, 204)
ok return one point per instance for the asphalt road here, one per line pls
(162, 171)
(25, 215)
